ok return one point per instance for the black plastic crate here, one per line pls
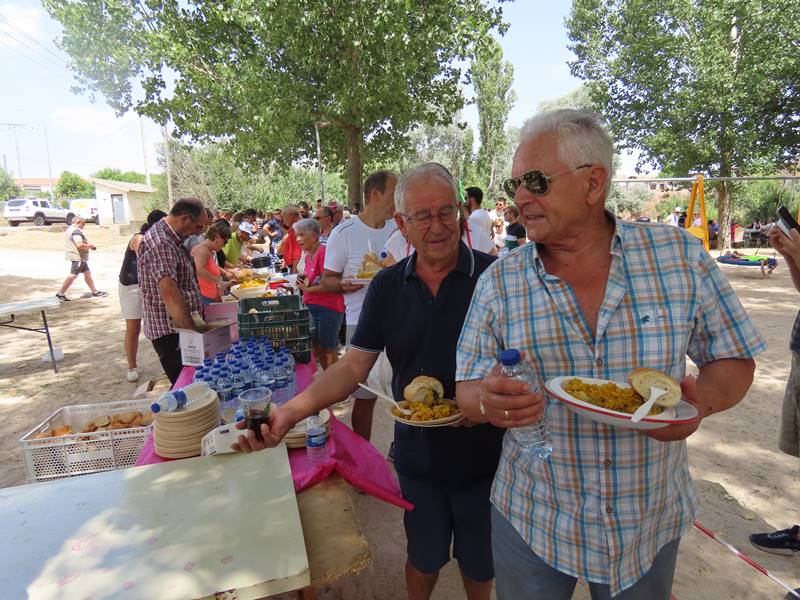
(277, 332)
(278, 303)
(300, 347)
(272, 317)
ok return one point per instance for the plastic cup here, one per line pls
(254, 404)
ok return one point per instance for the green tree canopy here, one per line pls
(113, 174)
(72, 185)
(695, 86)
(492, 77)
(8, 189)
(260, 74)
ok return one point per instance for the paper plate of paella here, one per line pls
(614, 402)
(424, 397)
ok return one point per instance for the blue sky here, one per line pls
(85, 136)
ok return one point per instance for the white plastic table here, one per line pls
(12, 309)
(184, 529)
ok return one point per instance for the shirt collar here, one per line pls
(172, 231)
(465, 263)
(617, 244)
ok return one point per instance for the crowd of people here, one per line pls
(593, 296)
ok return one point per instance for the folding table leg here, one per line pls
(49, 342)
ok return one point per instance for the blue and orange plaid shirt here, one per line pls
(607, 499)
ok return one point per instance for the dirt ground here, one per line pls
(746, 484)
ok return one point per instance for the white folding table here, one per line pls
(9, 310)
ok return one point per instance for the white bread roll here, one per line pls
(420, 389)
(642, 379)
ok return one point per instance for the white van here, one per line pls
(88, 208)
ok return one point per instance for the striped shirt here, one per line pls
(608, 498)
(162, 254)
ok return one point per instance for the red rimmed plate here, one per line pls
(683, 412)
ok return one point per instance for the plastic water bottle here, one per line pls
(248, 373)
(531, 438)
(316, 440)
(291, 364)
(237, 381)
(228, 401)
(177, 399)
(281, 387)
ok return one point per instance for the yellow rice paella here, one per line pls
(608, 395)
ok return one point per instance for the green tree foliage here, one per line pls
(113, 174)
(72, 185)
(210, 173)
(577, 98)
(492, 77)
(627, 198)
(260, 74)
(9, 189)
(695, 86)
(449, 145)
(761, 199)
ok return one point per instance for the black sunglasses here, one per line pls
(535, 182)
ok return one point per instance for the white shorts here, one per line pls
(130, 301)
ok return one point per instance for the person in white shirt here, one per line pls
(347, 244)
(478, 217)
(673, 218)
(499, 211)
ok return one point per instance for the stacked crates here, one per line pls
(282, 319)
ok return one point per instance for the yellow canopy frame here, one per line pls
(699, 194)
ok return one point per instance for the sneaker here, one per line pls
(133, 375)
(390, 454)
(100, 294)
(62, 297)
(781, 542)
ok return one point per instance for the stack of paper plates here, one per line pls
(179, 434)
(296, 438)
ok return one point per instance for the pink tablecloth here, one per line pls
(355, 459)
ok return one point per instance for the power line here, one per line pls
(32, 59)
(35, 51)
(13, 127)
(31, 38)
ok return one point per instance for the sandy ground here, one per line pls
(745, 483)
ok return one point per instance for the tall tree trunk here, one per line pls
(355, 167)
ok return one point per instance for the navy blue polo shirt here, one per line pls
(420, 333)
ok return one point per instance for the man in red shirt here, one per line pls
(290, 248)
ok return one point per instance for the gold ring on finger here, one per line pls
(506, 414)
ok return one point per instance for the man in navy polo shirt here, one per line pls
(415, 310)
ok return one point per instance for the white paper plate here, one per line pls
(683, 412)
(356, 280)
(435, 423)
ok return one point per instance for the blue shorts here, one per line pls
(324, 324)
(441, 516)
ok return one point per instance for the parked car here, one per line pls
(37, 211)
(88, 208)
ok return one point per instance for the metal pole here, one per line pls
(707, 179)
(319, 164)
(49, 170)
(144, 151)
(168, 160)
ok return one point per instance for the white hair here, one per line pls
(430, 170)
(581, 137)
(307, 226)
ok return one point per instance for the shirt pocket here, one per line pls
(663, 337)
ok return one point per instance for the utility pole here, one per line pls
(319, 164)
(168, 160)
(144, 151)
(49, 166)
(13, 127)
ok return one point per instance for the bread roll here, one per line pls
(422, 388)
(642, 379)
(125, 418)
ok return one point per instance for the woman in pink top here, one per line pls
(209, 273)
(326, 310)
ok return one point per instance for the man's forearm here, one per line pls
(332, 284)
(468, 395)
(175, 304)
(335, 384)
(723, 383)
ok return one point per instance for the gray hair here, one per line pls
(307, 226)
(581, 137)
(290, 209)
(430, 170)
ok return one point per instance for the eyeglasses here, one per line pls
(448, 215)
(535, 182)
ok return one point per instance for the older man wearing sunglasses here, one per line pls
(594, 297)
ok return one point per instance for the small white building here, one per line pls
(121, 203)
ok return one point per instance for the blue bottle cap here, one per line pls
(509, 357)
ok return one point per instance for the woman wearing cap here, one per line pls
(209, 272)
(130, 299)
